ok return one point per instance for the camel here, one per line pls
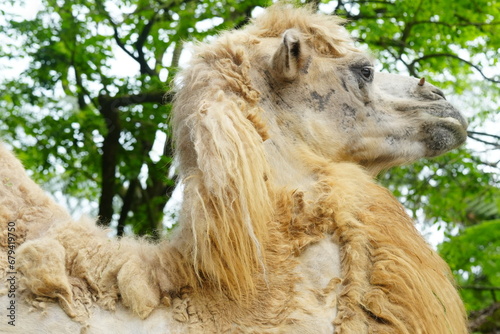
(280, 129)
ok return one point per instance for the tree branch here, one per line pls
(110, 112)
(158, 97)
(139, 44)
(128, 200)
(495, 145)
(450, 55)
(478, 318)
(483, 134)
(466, 24)
(116, 35)
(480, 287)
(110, 148)
(81, 91)
(176, 55)
(375, 1)
(477, 24)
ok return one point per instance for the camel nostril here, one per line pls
(439, 92)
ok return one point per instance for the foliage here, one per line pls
(87, 127)
(475, 256)
(454, 181)
(88, 115)
(448, 40)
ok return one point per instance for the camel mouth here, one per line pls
(458, 125)
(449, 114)
(444, 128)
(446, 134)
(437, 111)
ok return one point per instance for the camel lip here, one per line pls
(457, 128)
(439, 109)
(448, 114)
(448, 127)
(444, 138)
(460, 124)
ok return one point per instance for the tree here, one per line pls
(96, 132)
(81, 125)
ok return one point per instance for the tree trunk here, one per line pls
(110, 148)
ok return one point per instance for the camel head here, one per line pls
(336, 105)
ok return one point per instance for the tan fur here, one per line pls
(227, 167)
(391, 276)
(22, 202)
(274, 168)
(393, 281)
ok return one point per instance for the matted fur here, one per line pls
(24, 204)
(224, 168)
(219, 135)
(234, 264)
(393, 281)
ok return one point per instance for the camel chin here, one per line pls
(444, 135)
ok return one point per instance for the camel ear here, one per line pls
(287, 59)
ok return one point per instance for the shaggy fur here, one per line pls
(22, 202)
(282, 228)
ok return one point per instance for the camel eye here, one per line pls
(367, 72)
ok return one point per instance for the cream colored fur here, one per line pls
(279, 130)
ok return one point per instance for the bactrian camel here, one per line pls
(280, 129)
